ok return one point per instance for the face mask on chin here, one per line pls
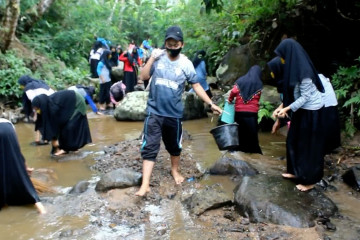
(174, 52)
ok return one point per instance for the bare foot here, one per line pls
(40, 207)
(60, 152)
(177, 177)
(305, 188)
(142, 191)
(288, 175)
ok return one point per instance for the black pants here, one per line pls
(104, 93)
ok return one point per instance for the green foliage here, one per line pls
(346, 82)
(265, 111)
(11, 69)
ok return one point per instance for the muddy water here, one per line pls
(24, 222)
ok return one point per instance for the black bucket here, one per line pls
(226, 136)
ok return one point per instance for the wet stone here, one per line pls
(330, 226)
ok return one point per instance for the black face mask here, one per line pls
(174, 52)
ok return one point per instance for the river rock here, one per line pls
(208, 198)
(264, 198)
(352, 177)
(229, 166)
(235, 64)
(133, 107)
(119, 178)
(80, 187)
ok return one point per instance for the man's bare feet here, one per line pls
(59, 152)
(304, 188)
(288, 175)
(177, 177)
(40, 207)
(143, 191)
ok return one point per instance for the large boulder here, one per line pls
(133, 107)
(264, 198)
(235, 64)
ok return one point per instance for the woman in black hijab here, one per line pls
(302, 95)
(32, 88)
(247, 92)
(16, 187)
(63, 120)
(277, 73)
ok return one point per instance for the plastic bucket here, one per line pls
(226, 136)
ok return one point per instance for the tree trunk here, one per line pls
(9, 23)
(43, 6)
(112, 12)
(121, 14)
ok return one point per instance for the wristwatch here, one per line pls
(210, 104)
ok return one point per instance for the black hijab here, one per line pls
(133, 56)
(250, 84)
(31, 83)
(297, 67)
(55, 111)
(105, 58)
(277, 68)
(199, 56)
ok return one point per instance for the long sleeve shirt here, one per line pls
(240, 106)
(127, 65)
(307, 96)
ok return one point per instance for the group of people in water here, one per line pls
(308, 102)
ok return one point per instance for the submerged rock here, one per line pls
(228, 166)
(273, 199)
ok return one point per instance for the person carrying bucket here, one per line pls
(169, 70)
(247, 91)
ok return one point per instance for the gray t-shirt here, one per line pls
(168, 84)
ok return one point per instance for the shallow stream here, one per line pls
(25, 223)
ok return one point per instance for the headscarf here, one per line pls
(133, 56)
(297, 67)
(199, 56)
(277, 68)
(55, 111)
(31, 83)
(117, 90)
(105, 58)
(97, 45)
(250, 84)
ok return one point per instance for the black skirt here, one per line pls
(305, 146)
(93, 68)
(104, 93)
(75, 134)
(130, 81)
(16, 187)
(332, 126)
(248, 132)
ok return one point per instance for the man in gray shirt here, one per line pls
(169, 71)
